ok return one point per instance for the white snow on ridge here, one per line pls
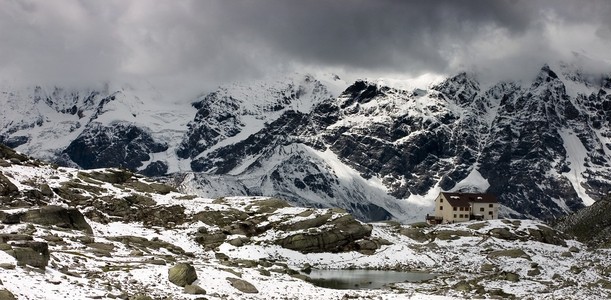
(302, 90)
(373, 190)
(422, 82)
(474, 182)
(576, 154)
(420, 205)
(349, 184)
(252, 125)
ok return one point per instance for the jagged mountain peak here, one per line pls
(296, 91)
(462, 88)
(360, 92)
(547, 71)
(546, 77)
(466, 79)
(239, 110)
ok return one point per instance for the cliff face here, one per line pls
(590, 225)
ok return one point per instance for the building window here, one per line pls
(454, 216)
(490, 205)
(481, 209)
(440, 207)
(490, 213)
(440, 200)
(454, 208)
(460, 216)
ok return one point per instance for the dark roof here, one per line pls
(465, 199)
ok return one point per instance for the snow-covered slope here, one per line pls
(543, 147)
(111, 234)
(306, 177)
(120, 127)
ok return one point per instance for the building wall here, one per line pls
(488, 210)
(461, 215)
(446, 213)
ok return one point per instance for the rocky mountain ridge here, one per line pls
(543, 147)
(590, 225)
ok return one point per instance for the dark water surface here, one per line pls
(364, 279)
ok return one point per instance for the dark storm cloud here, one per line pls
(373, 34)
(40, 41)
(196, 44)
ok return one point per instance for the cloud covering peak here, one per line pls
(193, 45)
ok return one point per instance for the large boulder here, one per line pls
(8, 218)
(416, 234)
(340, 235)
(210, 240)
(307, 223)
(7, 295)
(58, 216)
(7, 188)
(242, 285)
(182, 274)
(547, 235)
(194, 289)
(35, 254)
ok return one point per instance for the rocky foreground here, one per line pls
(111, 234)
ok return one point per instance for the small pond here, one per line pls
(364, 279)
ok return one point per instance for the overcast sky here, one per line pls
(195, 45)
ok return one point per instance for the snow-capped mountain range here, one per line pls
(543, 146)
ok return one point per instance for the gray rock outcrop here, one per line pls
(242, 285)
(58, 216)
(7, 295)
(7, 188)
(194, 289)
(340, 236)
(182, 274)
(35, 254)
